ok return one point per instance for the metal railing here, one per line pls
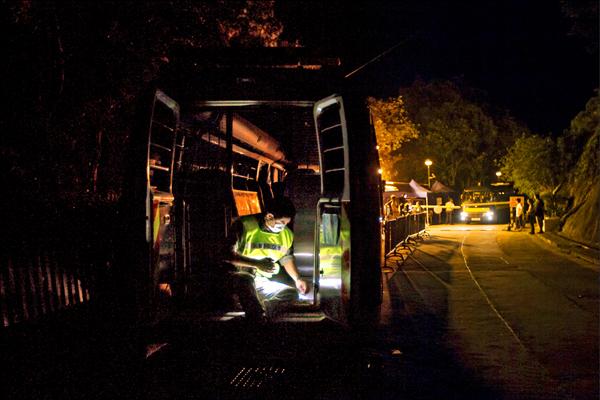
(51, 264)
(400, 234)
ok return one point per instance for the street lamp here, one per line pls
(428, 162)
(498, 175)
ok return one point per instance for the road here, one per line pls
(477, 312)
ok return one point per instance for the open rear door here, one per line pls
(161, 156)
(332, 228)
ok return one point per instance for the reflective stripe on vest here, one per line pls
(258, 244)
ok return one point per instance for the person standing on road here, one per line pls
(449, 211)
(531, 215)
(257, 245)
(519, 214)
(539, 212)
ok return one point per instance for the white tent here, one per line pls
(418, 189)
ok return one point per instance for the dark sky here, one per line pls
(517, 51)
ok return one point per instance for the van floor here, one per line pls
(299, 354)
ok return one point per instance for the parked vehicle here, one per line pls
(486, 204)
(219, 138)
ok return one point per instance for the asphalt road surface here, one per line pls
(477, 312)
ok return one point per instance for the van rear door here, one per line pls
(161, 155)
(332, 227)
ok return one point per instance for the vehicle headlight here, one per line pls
(489, 214)
(464, 215)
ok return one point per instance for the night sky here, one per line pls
(517, 51)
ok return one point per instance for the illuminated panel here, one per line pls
(246, 202)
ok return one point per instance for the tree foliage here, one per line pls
(582, 16)
(75, 68)
(531, 163)
(580, 144)
(393, 129)
(463, 138)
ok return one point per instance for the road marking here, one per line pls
(487, 299)
(504, 260)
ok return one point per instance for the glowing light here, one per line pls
(428, 162)
(333, 283)
(380, 171)
(303, 254)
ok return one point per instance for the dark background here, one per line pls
(521, 53)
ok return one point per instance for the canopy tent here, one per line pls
(399, 189)
(439, 187)
(419, 190)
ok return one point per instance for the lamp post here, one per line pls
(428, 162)
(498, 175)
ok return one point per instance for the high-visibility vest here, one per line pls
(258, 244)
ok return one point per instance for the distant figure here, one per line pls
(539, 212)
(519, 214)
(392, 208)
(531, 215)
(449, 211)
(417, 207)
(406, 208)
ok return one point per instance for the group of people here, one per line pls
(395, 208)
(532, 212)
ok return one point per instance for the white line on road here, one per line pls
(485, 296)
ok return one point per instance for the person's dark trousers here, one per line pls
(532, 223)
(449, 217)
(242, 284)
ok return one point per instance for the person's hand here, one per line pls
(266, 265)
(302, 286)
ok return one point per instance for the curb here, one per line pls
(568, 250)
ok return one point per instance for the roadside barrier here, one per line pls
(401, 234)
(50, 265)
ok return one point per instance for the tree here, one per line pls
(459, 133)
(393, 129)
(75, 69)
(579, 144)
(531, 164)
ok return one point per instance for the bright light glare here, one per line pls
(464, 215)
(332, 283)
(380, 171)
(489, 214)
(428, 162)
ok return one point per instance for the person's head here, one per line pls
(518, 200)
(279, 213)
(537, 196)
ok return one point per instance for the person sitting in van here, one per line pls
(257, 246)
